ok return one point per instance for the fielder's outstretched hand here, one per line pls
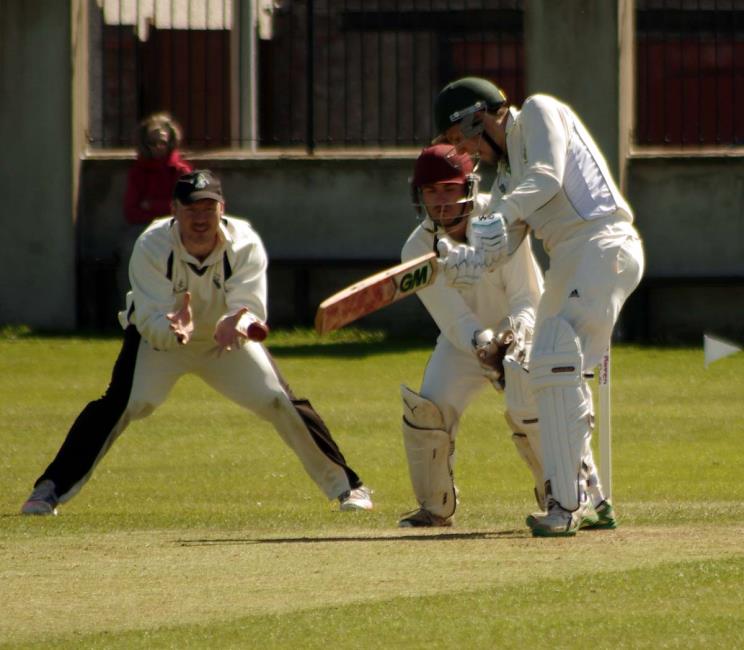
(462, 264)
(232, 330)
(490, 237)
(181, 323)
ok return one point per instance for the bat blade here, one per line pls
(375, 292)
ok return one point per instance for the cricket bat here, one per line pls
(375, 292)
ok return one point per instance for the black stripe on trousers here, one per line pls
(317, 428)
(322, 437)
(93, 426)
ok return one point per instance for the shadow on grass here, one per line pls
(421, 537)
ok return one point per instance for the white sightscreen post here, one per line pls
(605, 425)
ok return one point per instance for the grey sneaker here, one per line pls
(557, 522)
(604, 518)
(357, 499)
(43, 500)
(422, 518)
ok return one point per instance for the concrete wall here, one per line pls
(328, 222)
(37, 243)
(572, 52)
(690, 212)
(325, 223)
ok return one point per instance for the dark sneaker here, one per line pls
(43, 500)
(422, 518)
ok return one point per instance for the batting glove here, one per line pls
(489, 236)
(462, 264)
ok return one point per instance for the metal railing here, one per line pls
(690, 73)
(328, 74)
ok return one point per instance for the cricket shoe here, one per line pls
(589, 519)
(604, 518)
(559, 522)
(357, 499)
(422, 518)
(43, 500)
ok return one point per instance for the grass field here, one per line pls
(199, 528)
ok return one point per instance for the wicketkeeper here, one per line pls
(486, 327)
(197, 305)
(550, 175)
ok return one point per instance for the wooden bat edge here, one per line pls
(321, 326)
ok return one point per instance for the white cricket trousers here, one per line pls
(143, 378)
(588, 281)
(587, 284)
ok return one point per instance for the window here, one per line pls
(690, 72)
(331, 74)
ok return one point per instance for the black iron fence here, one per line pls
(361, 74)
(348, 73)
(328, 73)
(690, 72)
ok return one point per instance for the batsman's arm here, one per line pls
(523, 285)
(545, 135)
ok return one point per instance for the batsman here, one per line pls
(551, 176)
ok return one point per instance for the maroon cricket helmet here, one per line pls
(440, 163)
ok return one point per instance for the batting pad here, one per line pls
(521, 407)
(564, 412)
(430, 450)
(528, 448)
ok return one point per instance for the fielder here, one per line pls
(480, 322)
(197, 305)
(550, 175)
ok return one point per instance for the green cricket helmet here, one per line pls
(463, 98)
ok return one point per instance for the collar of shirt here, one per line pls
(223, 237)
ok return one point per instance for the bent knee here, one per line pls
(138, 409)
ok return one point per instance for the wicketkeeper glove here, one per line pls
(490, 350)
(489, 235)
(462, 264)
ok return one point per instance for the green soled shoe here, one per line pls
(605, 518)
(589, 519)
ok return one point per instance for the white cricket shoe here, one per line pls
(43, 500)
(357, 499)
(557, 521)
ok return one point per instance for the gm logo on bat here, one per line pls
(410, 281)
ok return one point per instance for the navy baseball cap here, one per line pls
(197, 185)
